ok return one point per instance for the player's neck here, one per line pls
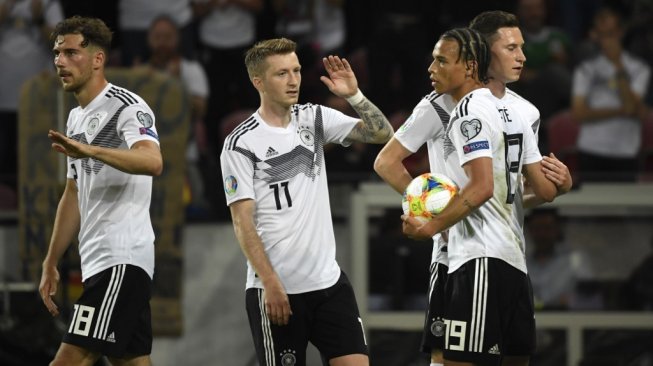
(497, 88)
(275, 115)
(88, 92)
(466, 88)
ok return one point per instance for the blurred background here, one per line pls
(590, 253)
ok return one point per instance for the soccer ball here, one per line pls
(427, 195)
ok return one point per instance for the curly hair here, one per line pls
(94, 31)
(472, 47)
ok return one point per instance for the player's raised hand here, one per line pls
(48, 288)
(341, 79)
(66, 145)
(277, 304)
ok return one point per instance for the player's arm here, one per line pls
(66, 226)
(476, 192)
(277, 304)
(542, 187)
(389, 165)
(373, 127)
(554, 170)
(144, 157)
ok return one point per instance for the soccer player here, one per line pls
(501, 31)
(276, 187)
(112, 152)
(486, 146)
(426, 124)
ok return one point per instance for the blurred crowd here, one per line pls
(587, 70)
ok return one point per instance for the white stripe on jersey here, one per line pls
(434, 277)
(109, 301)
(268, 341)
(479, 306)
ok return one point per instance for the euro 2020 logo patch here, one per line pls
(230, 185)
(471, 129)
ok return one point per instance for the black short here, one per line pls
(433, 334)
(327, 318)
(113, 316)
(490, 312)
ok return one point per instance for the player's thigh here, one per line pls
(112, 317)
(277, 344)
(69, 354)
(350, 360)
(337, 329)
(131, 361)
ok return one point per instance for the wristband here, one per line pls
(356, 98)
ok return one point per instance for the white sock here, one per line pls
(437, 364)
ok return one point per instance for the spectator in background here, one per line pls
(227, 28)
(607, 100)
(398, 45)
(554, 269)
(136, 16)
(163, 42)
(547, 54)
(639, 38)
(25, 51)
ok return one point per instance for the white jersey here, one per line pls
(531, 116)
(283, 171)
(482, 127)
(427, 124)
(114, 206)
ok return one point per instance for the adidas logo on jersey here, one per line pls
(271, 152)
(494, 350)
(111, 338)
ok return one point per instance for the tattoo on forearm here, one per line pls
(376, 127)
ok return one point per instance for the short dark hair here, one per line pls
(255, 56)
(488, 23)
(94, 31)
(472, 47)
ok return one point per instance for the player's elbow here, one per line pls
(156, 167)
(381, 165)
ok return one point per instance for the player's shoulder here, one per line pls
(123, 96)
(477, 101)
(521, 103)
(241, 131)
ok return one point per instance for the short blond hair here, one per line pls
(255, 56)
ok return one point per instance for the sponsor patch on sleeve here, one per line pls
(147, 131)
(475, 146)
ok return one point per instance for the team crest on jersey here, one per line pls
(471, 129)
(288, 357)
(145, 119)
(230, 185)
(91, 128)
(306, 135)
(437, 328)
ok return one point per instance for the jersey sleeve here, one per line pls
(471, 134)
(237, 173)
(136, 123)
(531, 151)
(422, 125)
(337, 125)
